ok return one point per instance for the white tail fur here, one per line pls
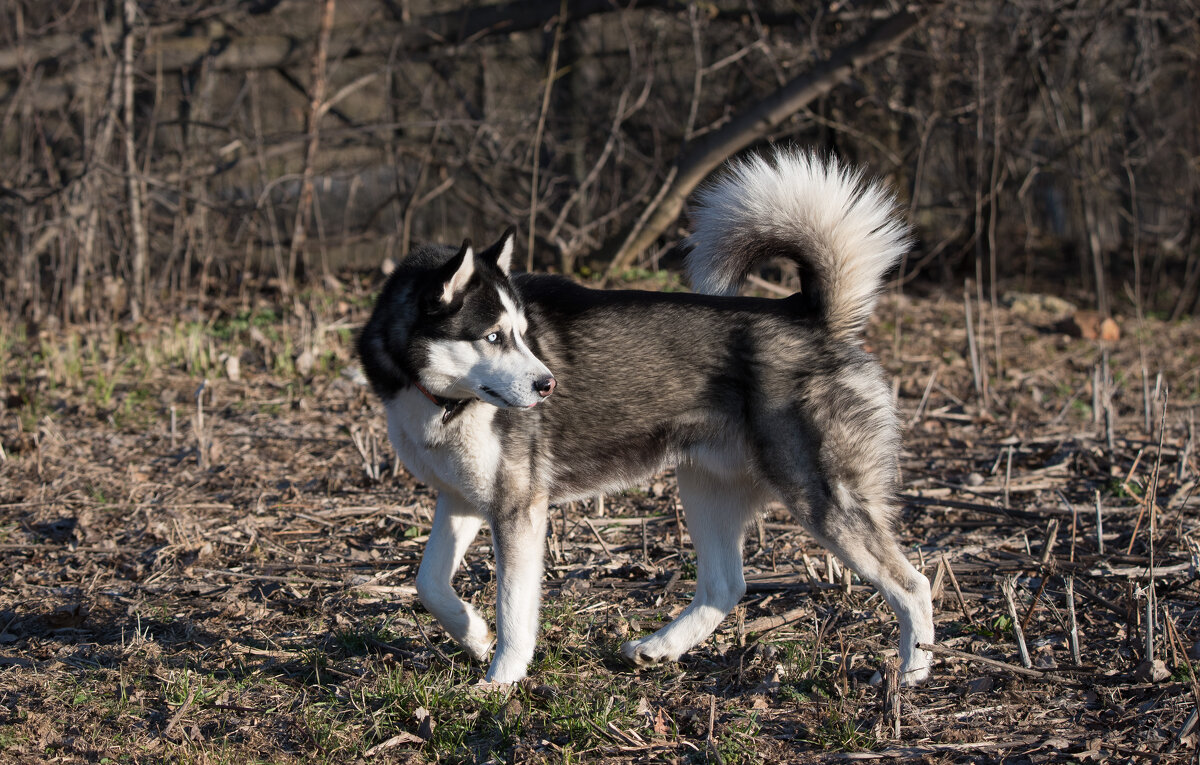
(842, 232)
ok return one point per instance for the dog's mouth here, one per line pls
(493, 394)
(500, 400)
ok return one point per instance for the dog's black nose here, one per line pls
(544, 386)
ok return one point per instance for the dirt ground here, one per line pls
(208, 556)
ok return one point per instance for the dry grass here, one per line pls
(238, 588)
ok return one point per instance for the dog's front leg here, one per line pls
(455, 524)
(518, 536)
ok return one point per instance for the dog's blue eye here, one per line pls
(493, 338)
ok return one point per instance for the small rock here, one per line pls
(1152, 672)
(974, 479)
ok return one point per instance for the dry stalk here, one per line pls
(1051, 539)
(365, 445)
(938, 585)
(645, 544)
(1008, 476)
(891, 697)
(1148, 420)
(1073, 624)
(973, 346)
(709, 741)
(1007, 588)
(1150, 499)
(916, 418)
(957, 590)
(1149, 630)
(1109, 414)
(1189, 445)
(198, 427)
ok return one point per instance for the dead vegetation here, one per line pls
(207, 551)
(207, 556)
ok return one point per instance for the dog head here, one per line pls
(452, 321)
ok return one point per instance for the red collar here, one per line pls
(436, 401)
(450, 406)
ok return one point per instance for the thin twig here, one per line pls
(996, 664)
(429, 643)
(958, 591)
(179, 712)
(599, 538)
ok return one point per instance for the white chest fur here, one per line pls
(462, 456)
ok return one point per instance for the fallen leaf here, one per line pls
(400, 738)
(660, 723)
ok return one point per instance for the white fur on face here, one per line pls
(472, 368)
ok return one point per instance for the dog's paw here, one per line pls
(915, 676)
(478, 639)
(916, 667)
(645, 653)
(478, 647)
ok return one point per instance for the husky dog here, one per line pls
(509, 392)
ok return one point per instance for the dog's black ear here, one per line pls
(457, 272)
(502, 250)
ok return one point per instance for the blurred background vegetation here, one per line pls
(157, 155)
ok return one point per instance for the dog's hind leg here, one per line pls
(717, 513)
(863, 540)
(519, 538)
(455, 524)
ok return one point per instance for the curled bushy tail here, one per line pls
(842, 232)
